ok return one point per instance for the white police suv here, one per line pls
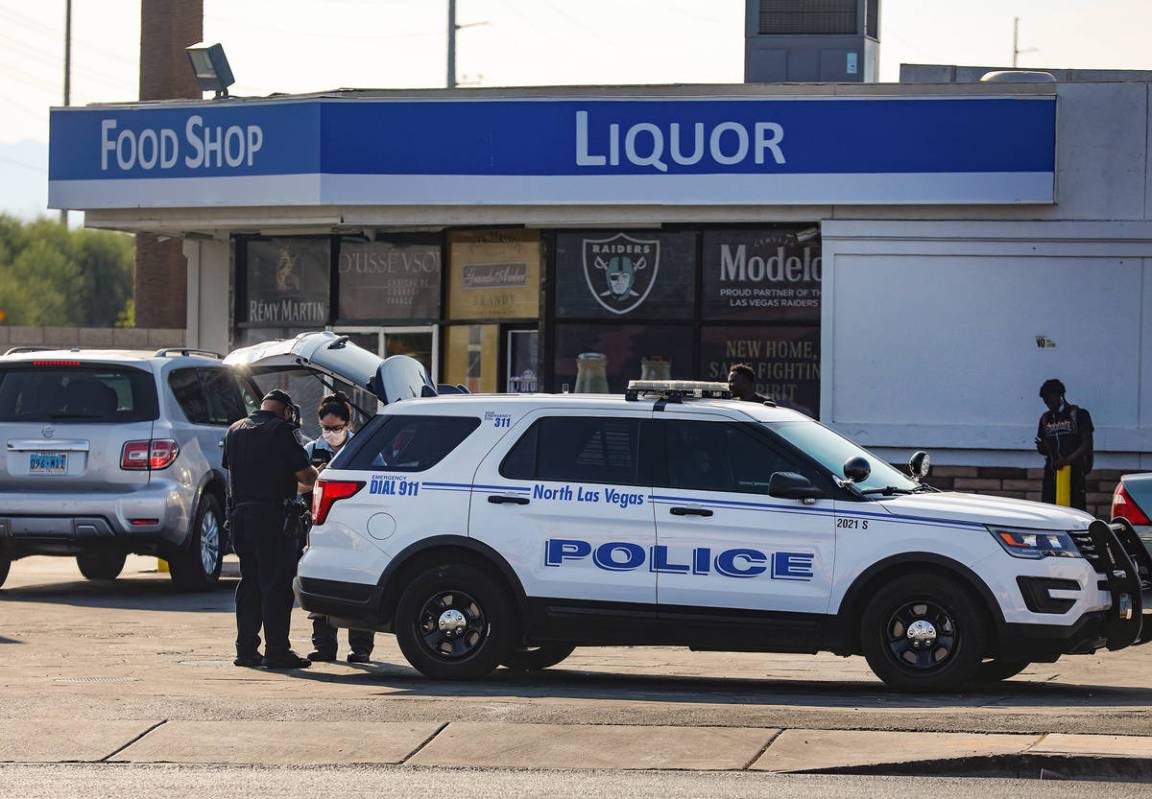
(489, 530)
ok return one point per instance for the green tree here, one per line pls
(52, 276)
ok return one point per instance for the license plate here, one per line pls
(48, 463)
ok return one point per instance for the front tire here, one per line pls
(923, 633)
(5, 567)
(455, 622)
(196, 565)
(101, 565)
(535, 658)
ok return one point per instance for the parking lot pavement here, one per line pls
(135, 651)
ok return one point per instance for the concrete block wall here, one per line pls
(120, 338)
(1019, 483)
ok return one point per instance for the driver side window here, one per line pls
(723, 456)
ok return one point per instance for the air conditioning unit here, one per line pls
(811, 41)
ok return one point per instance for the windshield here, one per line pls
(832, 451)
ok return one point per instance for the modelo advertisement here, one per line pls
(762, 275)
(786, 361)
(390, 280)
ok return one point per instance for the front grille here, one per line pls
(1087, 546)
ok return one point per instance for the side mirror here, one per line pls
(789, 485)
(857, 469)
(919, 465)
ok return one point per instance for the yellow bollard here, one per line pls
(161, 565)
(1064, 486)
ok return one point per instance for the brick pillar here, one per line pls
(166, 28)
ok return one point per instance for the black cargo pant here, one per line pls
(264, 595)
(324, 637)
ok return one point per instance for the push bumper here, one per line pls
(353, 605)
(1124, 570)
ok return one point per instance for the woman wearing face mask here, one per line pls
(335, 416)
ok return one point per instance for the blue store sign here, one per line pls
(556, 152)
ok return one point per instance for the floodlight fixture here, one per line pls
(210, 66)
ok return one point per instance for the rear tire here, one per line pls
(101, 565)
(455, 622)
(535, 658)
(196, 565)
(5, 566)
(924, 633)
(996, 670)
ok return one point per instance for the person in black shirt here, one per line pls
(1064, 438)
(266, 468)
(742, 384)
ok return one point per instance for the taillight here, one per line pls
(1124, 505)
(158, 453)
(329, 492)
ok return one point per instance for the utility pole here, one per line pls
(452, 28)
(67, 74)
(1016, 51)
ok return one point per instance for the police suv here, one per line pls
(489, 530)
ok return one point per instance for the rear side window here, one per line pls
(582, 449)
(410, 443)
(209, 396)
(84, 393)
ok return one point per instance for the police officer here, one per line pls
(335, 417)
(266, 467)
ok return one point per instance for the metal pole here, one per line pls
(451, 44)
(1015, 41)
(67, 73)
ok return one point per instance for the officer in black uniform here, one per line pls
(267, 467)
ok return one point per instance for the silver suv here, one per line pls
(110, 452)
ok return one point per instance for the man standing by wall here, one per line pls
(266, 467)
(1064, 438)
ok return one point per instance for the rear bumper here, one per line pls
(65, 523)
(353, 605)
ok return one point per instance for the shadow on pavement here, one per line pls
(126, 594)
(558, 683)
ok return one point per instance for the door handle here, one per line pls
(220, 443)
(691, 512)
(498, 499)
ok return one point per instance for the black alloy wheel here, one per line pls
(455, 622)
(924, 633)
(540, 656)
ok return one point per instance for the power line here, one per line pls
(19, 163)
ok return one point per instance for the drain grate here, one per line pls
(86, 680)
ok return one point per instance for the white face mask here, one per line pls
(334, 438)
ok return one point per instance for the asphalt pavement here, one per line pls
(130, 675)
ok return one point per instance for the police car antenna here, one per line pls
(676, 390)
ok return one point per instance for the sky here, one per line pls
(309, 45)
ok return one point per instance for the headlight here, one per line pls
(1035, 543)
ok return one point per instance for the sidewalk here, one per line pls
(576, 746)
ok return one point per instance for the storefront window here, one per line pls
(625, 274)
(287, 281)
(473, 357)
(390, 280)
(786, 361)
(594, 358)
(494, 274)
(523, 369)
(759, 275)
